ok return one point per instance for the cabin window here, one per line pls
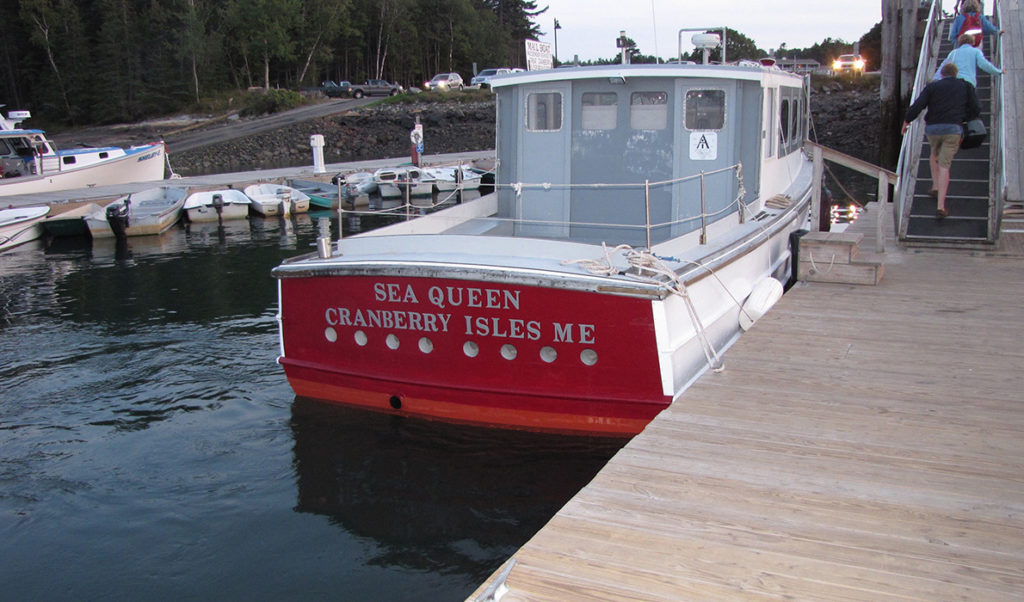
(5, 149)
(103, 155)
(784, 131)
(68, 160)
(648, 110)
(599, 111)
(798, 123)
(544, 111)
(705, 109)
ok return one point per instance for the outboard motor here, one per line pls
(117, 217)
(218, 205)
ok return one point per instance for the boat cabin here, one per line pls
(636, 154)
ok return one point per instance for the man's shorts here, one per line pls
(944, 147)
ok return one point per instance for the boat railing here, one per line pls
(693, 209)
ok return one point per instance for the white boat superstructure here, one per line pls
(30, 163)
(20, 225)
(217, 205)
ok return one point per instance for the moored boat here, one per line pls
(276, 199)
(71, 222)
(147, 212)
(322, 195)
(454, 177)
(399, 182)
(357, 183)
(30, 163)
(216, 205)
(638, 209)
(20, 225)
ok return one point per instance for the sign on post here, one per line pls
(538, 55)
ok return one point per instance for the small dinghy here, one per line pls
(217, 205)
(20, 225)
(147, 212)
(277, 199)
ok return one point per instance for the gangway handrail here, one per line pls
(910, 149)
(997, 139)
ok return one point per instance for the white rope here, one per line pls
(647, 261)
(599, 267)
(814, 267)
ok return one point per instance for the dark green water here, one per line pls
(151, 448)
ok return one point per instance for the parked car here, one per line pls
(483, 79)
(848, 62)
(444, 81)
(375, 87)
(336, 89)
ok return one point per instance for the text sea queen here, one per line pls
(403, 310)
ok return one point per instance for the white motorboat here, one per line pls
(150, 211)
(277, 199)
(358, 183)
(20, 225)
(643, 218)
(216, 205)
(30, 163)
(400, 182)
(454, 177)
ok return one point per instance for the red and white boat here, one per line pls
(30, 163)
(642, 219)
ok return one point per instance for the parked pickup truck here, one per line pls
(336, 89)
(375, 87)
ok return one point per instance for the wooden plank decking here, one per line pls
(863, 443)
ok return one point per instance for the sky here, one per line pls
(589, 27)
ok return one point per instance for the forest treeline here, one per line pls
(100, 61)
(78, 62)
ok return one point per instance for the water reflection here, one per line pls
(435, 496)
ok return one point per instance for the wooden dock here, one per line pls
(863, 443)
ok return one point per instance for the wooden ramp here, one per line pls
(863, 443)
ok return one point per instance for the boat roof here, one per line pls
(744, 70)
(20, 133)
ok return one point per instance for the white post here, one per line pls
(317, 142)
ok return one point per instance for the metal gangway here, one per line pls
(985, 190)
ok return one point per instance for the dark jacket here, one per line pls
(948, 100)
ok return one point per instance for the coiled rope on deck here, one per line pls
(645, 261)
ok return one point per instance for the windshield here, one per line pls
(440, 78)
(488, 72)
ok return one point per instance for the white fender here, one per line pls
(762, 297)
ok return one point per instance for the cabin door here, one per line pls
(542, 207)
(706, 144)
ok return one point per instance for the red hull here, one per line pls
(487, 353)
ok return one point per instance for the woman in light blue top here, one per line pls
(967, 59)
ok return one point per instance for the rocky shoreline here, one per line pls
(375, 132)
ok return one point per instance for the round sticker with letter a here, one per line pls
(703, 146)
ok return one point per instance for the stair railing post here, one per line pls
(883, 200)
(819, 169)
